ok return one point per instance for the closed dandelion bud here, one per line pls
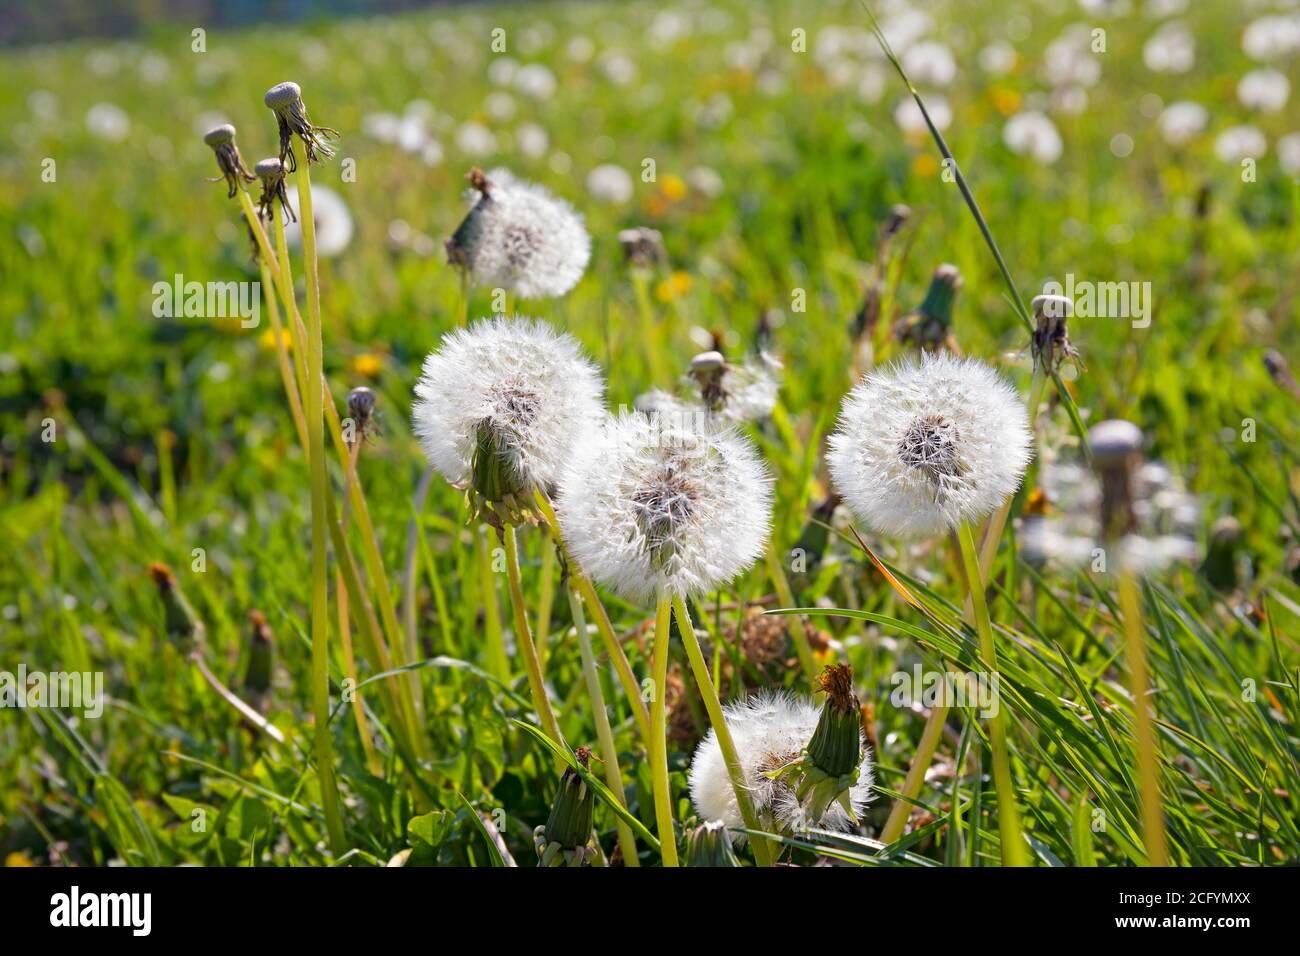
(1220, 566)
(709, 844)
(1051, 340)
(285, 100)
(1117, 451)
(272, 172)
(828, 768)
(180, 621)
(566, 839)
(222, 140)
(261, 655)
(930, 325)
(643, 247)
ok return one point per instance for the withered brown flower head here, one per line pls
(1051, 339)
(272, 172)
(285, 100)
(222, 140)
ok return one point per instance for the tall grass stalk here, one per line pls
(1148, 767)
(604, 735)
(793, 627)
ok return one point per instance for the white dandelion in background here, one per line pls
(706, 181)
(1240, 142)
(922, 447)
(1271, 37)
(910, 120)
(519, 237)
(532, 140)
(1264, 90)
(535, 81)
(998, 58)
(332, 218)
(1171, 49)
(1032, 133)
(770, 730)
(929, 64)
(108, 121)
(664, 505)
(1069, 61)
(1288, 153)
(1181, 122)
(610, 183)
(475, 140)
(729, 392)
(500, 406)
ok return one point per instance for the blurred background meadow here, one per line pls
(769, 143)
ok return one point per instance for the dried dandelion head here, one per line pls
(1051, 340)
(222, 140)
(519, 237)
(923, 446)
(285, 100)
(272, 172)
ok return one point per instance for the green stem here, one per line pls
(1153, 819)
(315, 398)
(794, 627)
(762, 852)
(605, 736)
(1013, 843)
(498, 664)
(524, 634)
(659, 737)
(902, 808)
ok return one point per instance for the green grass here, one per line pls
(173, 435)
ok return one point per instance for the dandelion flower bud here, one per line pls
(285, 100)
(180, 621)
(643, 247)
(261, 654)
(566, 839)
(1220, 566)
(361, 409)
(500, 407)
(709, 844)
(1051, 339)
(651, 506)
(771, 731)
(923, 446)
(519, 237)
(272, 172)
(930, 325)
(222, 140)
(1116, 451)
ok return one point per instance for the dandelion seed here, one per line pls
(272, 172)
(771, 730)
(501, 406)
(922, 447)
(664, 505)
(517, 236)
(222, 140)
(285, 100)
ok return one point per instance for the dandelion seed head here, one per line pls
(517, 236)
(769, 730)
(664, 503)
(1032, 133)
(921, 447)
(1181, 122)
(530, 387)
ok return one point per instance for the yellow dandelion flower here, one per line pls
(368, 365)
(674, 287)
(925, 165)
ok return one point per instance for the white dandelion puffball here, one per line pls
(1181, 122)
(531, 386)
(333, 221)
(108, 122)
(910, 120)
(769, 730)
(518, 236)
(1031, 133)
(610, 183)
(930, 64)
(920, 448)
(1264, 90)
(1288, 153)
(1240, 142)
(1271, 37)
(1171, 49)
(664, 504)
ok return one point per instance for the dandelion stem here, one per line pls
(1153, 820)
(608, 751)
(345, 629)
(762, 852)
(498, 664)
(524, 634)
(315, 397)
(659, 737)
(1013, 844)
